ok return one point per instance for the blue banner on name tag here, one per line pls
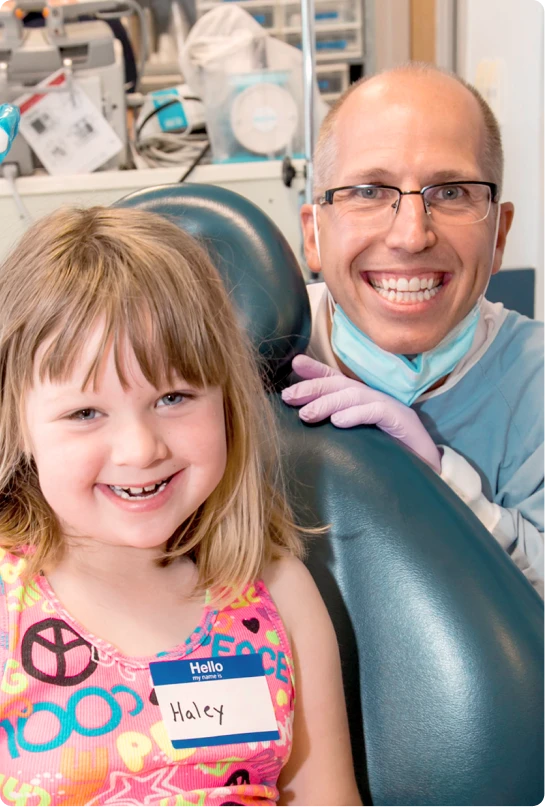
(207, 669)
(215, 701)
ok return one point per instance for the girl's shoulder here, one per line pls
(295, 594)
(286, 572)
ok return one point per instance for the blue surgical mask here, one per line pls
(399, 376)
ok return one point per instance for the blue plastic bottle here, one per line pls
(9, 124)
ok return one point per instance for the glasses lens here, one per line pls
(459, 203)
(371, 201)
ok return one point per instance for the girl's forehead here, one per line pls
(75, 363)
(98, 359)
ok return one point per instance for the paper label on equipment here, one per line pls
(65, 129)
(215, 701)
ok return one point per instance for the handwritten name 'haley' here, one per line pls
(185, 713)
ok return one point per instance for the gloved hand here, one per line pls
(9, 124)
(328, 393)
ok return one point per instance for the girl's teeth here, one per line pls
(139, 493)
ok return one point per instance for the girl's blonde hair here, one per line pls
(153, 284)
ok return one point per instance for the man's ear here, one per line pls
(309, 239)
(507, 211)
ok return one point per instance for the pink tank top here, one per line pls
(80, 724)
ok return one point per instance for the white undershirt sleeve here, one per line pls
(519, 537)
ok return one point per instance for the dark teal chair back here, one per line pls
(441, 637)
(515, 288)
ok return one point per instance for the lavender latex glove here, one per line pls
(328, 393)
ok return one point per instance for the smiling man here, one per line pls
(407, 228)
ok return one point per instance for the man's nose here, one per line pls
(411, 229)
(138, 444)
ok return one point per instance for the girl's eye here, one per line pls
(171, 399)
(84, 414)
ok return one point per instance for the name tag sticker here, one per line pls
(215, 701)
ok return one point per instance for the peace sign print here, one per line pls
(54, 653)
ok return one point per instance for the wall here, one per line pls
(500, 48)
(423, 22)
(388, 33)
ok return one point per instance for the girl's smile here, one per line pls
(141, 498)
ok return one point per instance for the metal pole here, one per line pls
(309, 65)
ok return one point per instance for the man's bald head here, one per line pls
(399, 79)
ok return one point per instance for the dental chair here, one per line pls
(441, 636)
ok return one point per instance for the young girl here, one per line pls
(141, 533)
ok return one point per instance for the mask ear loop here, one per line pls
(331, 304)
(496, 230)
(316, 238)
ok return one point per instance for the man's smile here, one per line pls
(407, 289)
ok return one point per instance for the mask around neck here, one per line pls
(403, 378)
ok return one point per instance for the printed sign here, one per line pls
(65, 129)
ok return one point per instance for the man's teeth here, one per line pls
(405, 290)
(404, 284)
(139, 493)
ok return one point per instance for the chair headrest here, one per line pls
(256, 262)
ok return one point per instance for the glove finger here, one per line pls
(306, 391)
(360, 393)
(364, 414)
(326, 405)
(307, 368)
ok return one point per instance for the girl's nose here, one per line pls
(138, 445)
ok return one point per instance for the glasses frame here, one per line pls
(327, 197)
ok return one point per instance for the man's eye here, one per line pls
(171, 399)
(84, 414)
(368, 193)
(449, 194)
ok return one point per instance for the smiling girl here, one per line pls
(142, 528)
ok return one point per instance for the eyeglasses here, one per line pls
(446, 203)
